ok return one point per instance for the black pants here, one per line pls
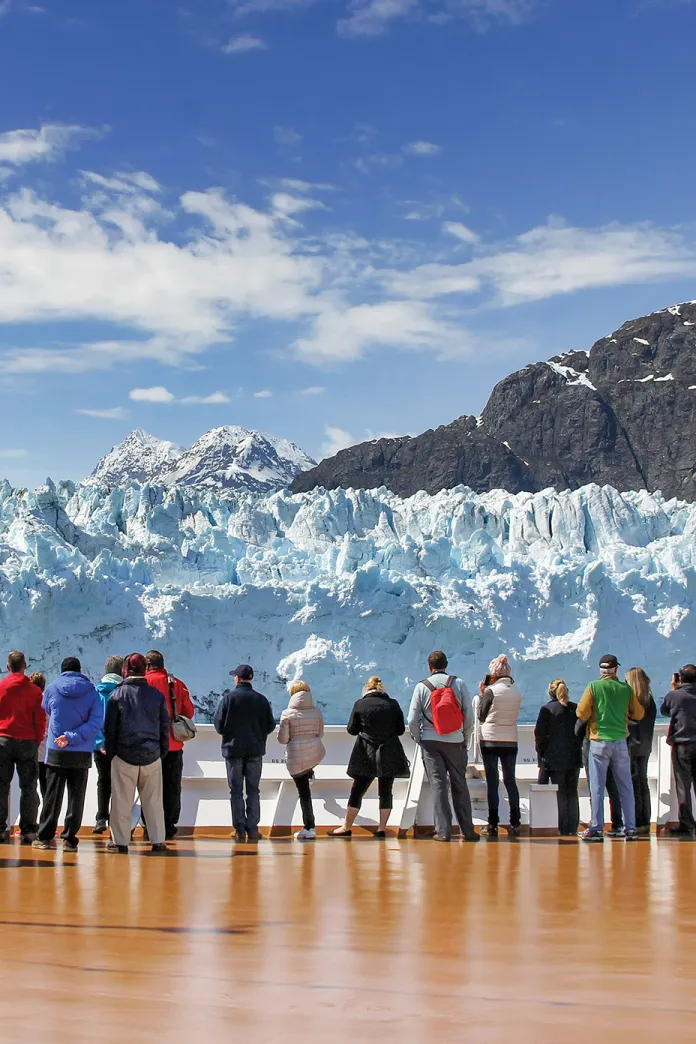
(507, 756)
(103, 765)
(641, 789)
(567, 797)
(23, 756)
(302, 782)
(42, 780)
(56, 781)
(172, 772)
(360, 786)
(684, 768)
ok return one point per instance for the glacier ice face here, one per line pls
(335, 586)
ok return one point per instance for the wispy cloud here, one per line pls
(461, 232)
(218, 398)
(265, 394)
(286, 136)
(244, 43)
(117, 413)
(157, 394)
(13, 454)
(162, 395)
(49, 142)
(336, 440)
(422, 148)
(314, 389)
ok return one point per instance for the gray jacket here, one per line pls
(420, 715)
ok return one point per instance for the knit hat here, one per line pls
(500, 667)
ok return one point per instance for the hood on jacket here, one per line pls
(72, 685)
(301, 701)
(111, 679)
(376, 692)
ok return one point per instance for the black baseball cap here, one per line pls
(609, 661)
(244, 672)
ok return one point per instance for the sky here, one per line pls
(325, 219)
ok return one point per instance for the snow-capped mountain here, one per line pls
(336, 586)
(229, 457)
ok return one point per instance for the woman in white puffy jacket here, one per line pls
(301, 729)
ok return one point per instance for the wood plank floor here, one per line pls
(337, 941)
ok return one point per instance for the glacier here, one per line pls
(336, 586)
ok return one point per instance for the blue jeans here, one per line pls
(239, 772)
(605, 754)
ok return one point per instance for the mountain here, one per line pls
(623, 413)
(230, 457)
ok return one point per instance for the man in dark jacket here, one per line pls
(173, 763)
(680, 706)
(136, 733)
(244, 719)
(22, 727)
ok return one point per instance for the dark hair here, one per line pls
(16, 661)
(70, 663)
(155, 660)
(134, 666)
(688, 673)
(114, 665)
(437, 661)
(38, 679)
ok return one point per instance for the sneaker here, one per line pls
(616, 832)
(442, 837)
(471, 837)
(43, 845)
(158, 849)
(513, 831)
(120, 849)
(306, 835)
(100, 827)
(592, 836)
(489, 831)
(69, 846)
(632, 835)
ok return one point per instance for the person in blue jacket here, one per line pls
(75, 715)
(112, 678)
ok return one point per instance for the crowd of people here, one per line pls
(135, 721)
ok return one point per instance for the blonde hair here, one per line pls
(299, 686)
(559, 689)
(374, 684)
(38, 679)
(640, 683)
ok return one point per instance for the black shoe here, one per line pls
(380, 834)
(171, 834)
(632, 835)
(100, 827)
(27, 839)
(489, 831)
(471, 837)
(5, 838)
(513, 831)
(442, 837)
(592, 837)
(161, 847)
(254, 836)
(119, 849)
(680, 831)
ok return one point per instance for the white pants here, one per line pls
(125, 778)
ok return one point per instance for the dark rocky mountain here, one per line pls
(623, 414)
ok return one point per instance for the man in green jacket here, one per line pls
(607, 704)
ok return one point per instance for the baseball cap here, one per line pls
(244, 672)
(609, 661)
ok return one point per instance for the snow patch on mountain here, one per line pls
(335, 586)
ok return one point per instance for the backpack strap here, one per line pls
(172, 695)
(428, 684)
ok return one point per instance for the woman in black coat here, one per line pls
(377, 720)
(559, 751)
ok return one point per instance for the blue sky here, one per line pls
(327, 220)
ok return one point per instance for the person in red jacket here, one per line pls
(22, 728)
(173, 763)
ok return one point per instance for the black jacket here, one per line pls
(136, 726)
(244, 719)
(557, 744)
(680, 705)
(640, 733)
(378, 721)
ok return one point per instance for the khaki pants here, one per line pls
(125, 778)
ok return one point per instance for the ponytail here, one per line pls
(559, 690)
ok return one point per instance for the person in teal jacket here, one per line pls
(112, 678)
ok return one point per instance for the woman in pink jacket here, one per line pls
(301, 729)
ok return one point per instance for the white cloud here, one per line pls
(127, 184)
(373, 17)
(298, 185)
(217, 398)
(422, 148)
(314, 389)
(336, 440)
(13, 454)
(244, 43)
(286, 136)
(366, 164)
(265, 394)
(117, 413)
(156, 394)
(460, 231)
(49, 142)
(287, 205)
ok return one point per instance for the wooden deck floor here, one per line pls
(405, 941)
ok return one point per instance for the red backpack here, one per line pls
(447, 710)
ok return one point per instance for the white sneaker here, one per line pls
(306, 835)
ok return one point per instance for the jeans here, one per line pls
(606, 754)
(641, 789)
(684, 768)
(241, 771)
(567, 797)
(446, 762)
(56, 781)
(103, 765)
(361, 784)
(304, 790)
(612, 789)
(172, 773)
(22, 755)
(490, 755)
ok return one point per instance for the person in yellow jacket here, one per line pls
(607, 704)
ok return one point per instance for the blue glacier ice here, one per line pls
(335, 586)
